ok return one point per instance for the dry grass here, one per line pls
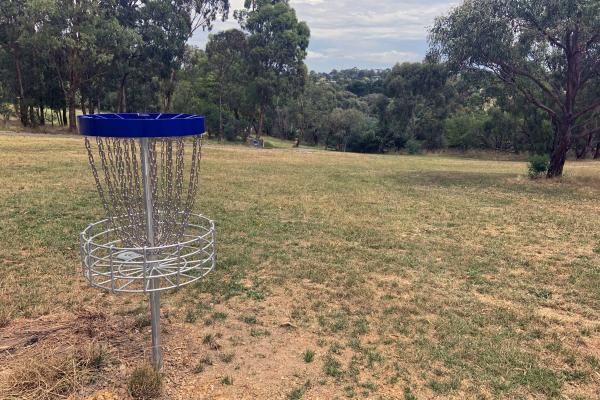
(409, 277)
(52, 371)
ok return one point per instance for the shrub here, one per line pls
(413, 147)
(538, 165)
(309, 355)
(464, 131)
(144, 383)
(5, 112)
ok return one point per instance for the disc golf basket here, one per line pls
(146, 169)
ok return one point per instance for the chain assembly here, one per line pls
(118, 182)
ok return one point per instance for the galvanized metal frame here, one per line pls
(148, 243)
(109, 266)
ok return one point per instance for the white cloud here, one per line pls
(366, 33)
(315, 55)
(395, 56)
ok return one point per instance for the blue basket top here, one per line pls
(140, 125)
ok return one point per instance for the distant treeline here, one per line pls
(521, 85)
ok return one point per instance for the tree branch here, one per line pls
(511, 81)
(514, 70)
(593, 39)
(552, 39)
(586, 110)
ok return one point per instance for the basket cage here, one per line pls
(146, 170)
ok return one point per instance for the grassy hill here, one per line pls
(338, 276)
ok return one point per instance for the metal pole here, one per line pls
(154, 296)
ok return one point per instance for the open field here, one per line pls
(339, 276)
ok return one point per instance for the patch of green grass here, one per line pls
(297, 393)
(444, 387)
(541, 293)
(227, 357)
(254, 332)
(190, 316)
(219, 316)
(202, 364)
(408, 394)
(211, 341)
(227, 380)
(308, 356)
(332, 367)
(249, 319)
(215, 317)
(256, 295)
(144, 383)
(142, 321)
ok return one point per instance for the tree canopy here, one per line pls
(547, 50)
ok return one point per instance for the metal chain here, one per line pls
(121, 189)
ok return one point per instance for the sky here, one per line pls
(359, 33)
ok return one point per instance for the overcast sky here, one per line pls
(359, 33)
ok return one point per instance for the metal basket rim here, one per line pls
(88, 239)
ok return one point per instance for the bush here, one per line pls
(5, 112)
(144, 383)
(413, 147)
(465, 131)
(538, 165)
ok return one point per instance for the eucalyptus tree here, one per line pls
(346, 125)
(189, 16)
(80, 38)
(226, 53)
(547, 50)
(419, 103)
(277, 45)
(154, 42)
(15, 24)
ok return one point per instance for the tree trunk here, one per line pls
(261, 120)
(221, 117)
(169, 92)
(90, 106)
(597, 153)
(21, 100)
(587, 148)
(32, 118)
(71, 101)
(122, 100)
(64, 116)
(42, 116)
(561, 147)
(83, 107)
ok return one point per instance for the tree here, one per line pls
(277, 45)
(226, 51)
(547, 50)
(15, 23)
(347, 126)
(185, 17)
(154, 44)
(81, 37)
(419, 104)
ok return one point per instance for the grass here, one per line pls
(424, 276)
(200, 366)
(54, 373)
(144, 383)
(308, 356)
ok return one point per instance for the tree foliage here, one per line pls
(547, 50)
(277, 45)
